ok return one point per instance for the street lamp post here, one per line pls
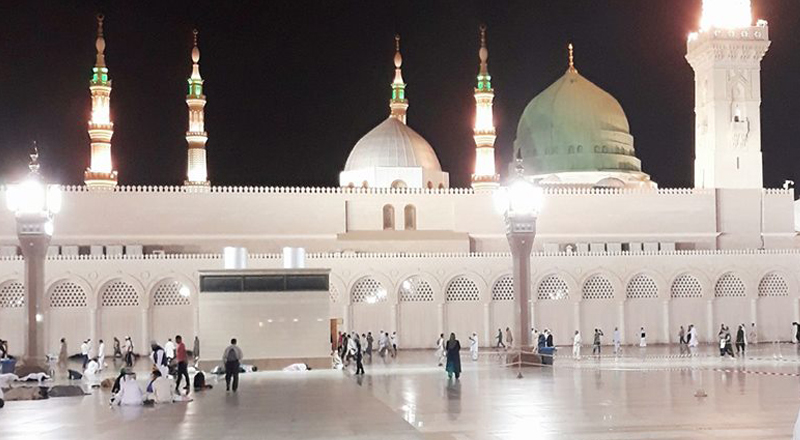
(34, 205)
(521, 203)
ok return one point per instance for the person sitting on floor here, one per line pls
(159, 390)
(130, 394)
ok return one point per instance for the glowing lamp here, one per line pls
(726, 14)
(31, 196)
(521, 198)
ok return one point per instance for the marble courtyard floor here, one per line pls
(647, 393)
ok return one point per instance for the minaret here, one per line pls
(196, 137)
(100, 175)
(485, 176)
(398, 103)
(726, 57)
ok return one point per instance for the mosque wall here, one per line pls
(422, 295)
(173, 220)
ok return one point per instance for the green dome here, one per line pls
(572, 127)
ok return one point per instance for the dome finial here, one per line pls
(572, 68)
(100, 43)
(483, 53)
(398, 103)
(398, 59)
(195, 49)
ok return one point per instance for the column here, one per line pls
(34, 250)
(393, 319)
(753, 313)
(621, 323)
(440, 317)
(346, 327)
(666, 327)
(487, 322)
(93, 323)
(710, 320)
(576, 316)
(145, 333)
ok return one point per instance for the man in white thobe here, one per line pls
(169, 350)
(576, 345)
(85, 353)
(617, 340)
(101, 355)
(473, 346)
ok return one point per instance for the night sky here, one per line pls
(293, 85)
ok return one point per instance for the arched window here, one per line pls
(388, 217)
(410, 214)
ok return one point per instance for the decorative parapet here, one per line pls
(417, 255)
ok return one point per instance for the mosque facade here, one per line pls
(410, 254)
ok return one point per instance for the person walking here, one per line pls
(393, 341)
(370, 341)
(509, 338)
(617, 341)
(63, 354)
(359, 357)
(128, 350)
(535, 339)
(101, 355)
(642, 338)
(169, 350)
(499, 339)
(752, 337)
(84, 354)
(693, 342)
(159, 359)
(681, 336)
(440, 349)
(232, 357)
(596, 344)
(183, 364)
(473, 346)
(453, 348)
(740, 340)
(576, 345)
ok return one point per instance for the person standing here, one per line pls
(359, 357)
(440, 349)
(796, 332)
(535, 339)
(183, 365)
(117, 349)
(196, 349)
(453, 348)
(509, 338)
(383, 343)
(549, 338)
(473, 346)
(693, 342)
(370, 341)
(63, 354)
(740, 340)
(232, 357)
(576, 345)
(617, 341)
(642, 338)
(681, 336)
(169, 350)
(84, 354)
(393, 340)
(159, 359)
(101, 355)
(499, 339)
(752, 337)
(597, 341)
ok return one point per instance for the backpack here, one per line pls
(232, 356)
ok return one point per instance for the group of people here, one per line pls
(354, 347)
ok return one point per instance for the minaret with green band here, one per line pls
(100, 175)
(196, 136)
(485, 176)
(398, 104)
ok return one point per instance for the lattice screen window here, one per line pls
(642, 286)
(462, 289)
(598, 287)
(773, 284)
(334, 292)
(415, 289)
(119, 294)
(68, 294)
(686, 286)
(728, 285)
(552, 287)
(503, 289)
(368, 290)
(12, 295)
(171, 293)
